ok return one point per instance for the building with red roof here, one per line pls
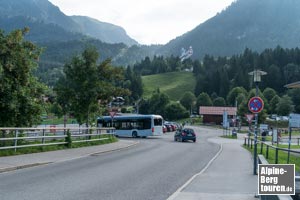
(214, 115)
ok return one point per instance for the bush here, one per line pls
(68, 139)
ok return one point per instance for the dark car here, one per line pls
(185, 134)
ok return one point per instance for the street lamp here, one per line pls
(256, 79)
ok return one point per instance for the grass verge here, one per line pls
(282, 156)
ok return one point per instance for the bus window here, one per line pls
(157, 122)
(146, 123)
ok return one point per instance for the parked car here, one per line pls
(169, 127)
(185, 134)
(165, 129)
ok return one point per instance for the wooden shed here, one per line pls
(214, 115)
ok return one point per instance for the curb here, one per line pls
(8, 169)
(113, 150)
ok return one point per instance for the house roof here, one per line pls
(211, 110)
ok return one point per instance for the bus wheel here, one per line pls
(134, 134)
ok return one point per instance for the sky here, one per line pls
(148, 22)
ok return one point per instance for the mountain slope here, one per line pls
(103, 31)
(16, 14)
(255, 24)
(174, 84)
(40, 10)
(39, 31)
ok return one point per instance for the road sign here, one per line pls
(112, 114)
(294, 121)
(256, 104)
(249, 117)
(225, 120)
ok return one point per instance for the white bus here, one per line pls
(133, 125)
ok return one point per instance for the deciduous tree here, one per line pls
(86, 84)
(21, 93)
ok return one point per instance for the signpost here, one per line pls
(294, 122)
(112, 114)
(255, 105)
(225, 121)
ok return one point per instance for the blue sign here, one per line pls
(225, 120)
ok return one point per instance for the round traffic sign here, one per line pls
(255, 104)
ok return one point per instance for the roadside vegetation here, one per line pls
(282, 156)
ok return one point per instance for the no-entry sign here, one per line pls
(256, 104)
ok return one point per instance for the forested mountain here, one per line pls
(39, 31)
(56, 54)
(103, 31)
(61, 36)
(43, 18)
(254, 24)
(38, 10)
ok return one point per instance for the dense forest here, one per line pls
(220, 74)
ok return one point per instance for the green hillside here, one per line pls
(174, 84)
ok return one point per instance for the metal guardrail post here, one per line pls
(267, 152)
(276, 156)
(249, 140)
(251, 143)
(43, 139)
(16, 140)
(261, 147)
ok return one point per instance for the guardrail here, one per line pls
(286, 140)
(15, 138)
(250, 143)
(262, 160)
(264, 149)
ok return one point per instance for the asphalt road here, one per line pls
(154, 169)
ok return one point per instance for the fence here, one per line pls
(262, 160)
(15, 138)
(250, 143)
(264, 148)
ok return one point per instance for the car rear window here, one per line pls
(190, 131)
